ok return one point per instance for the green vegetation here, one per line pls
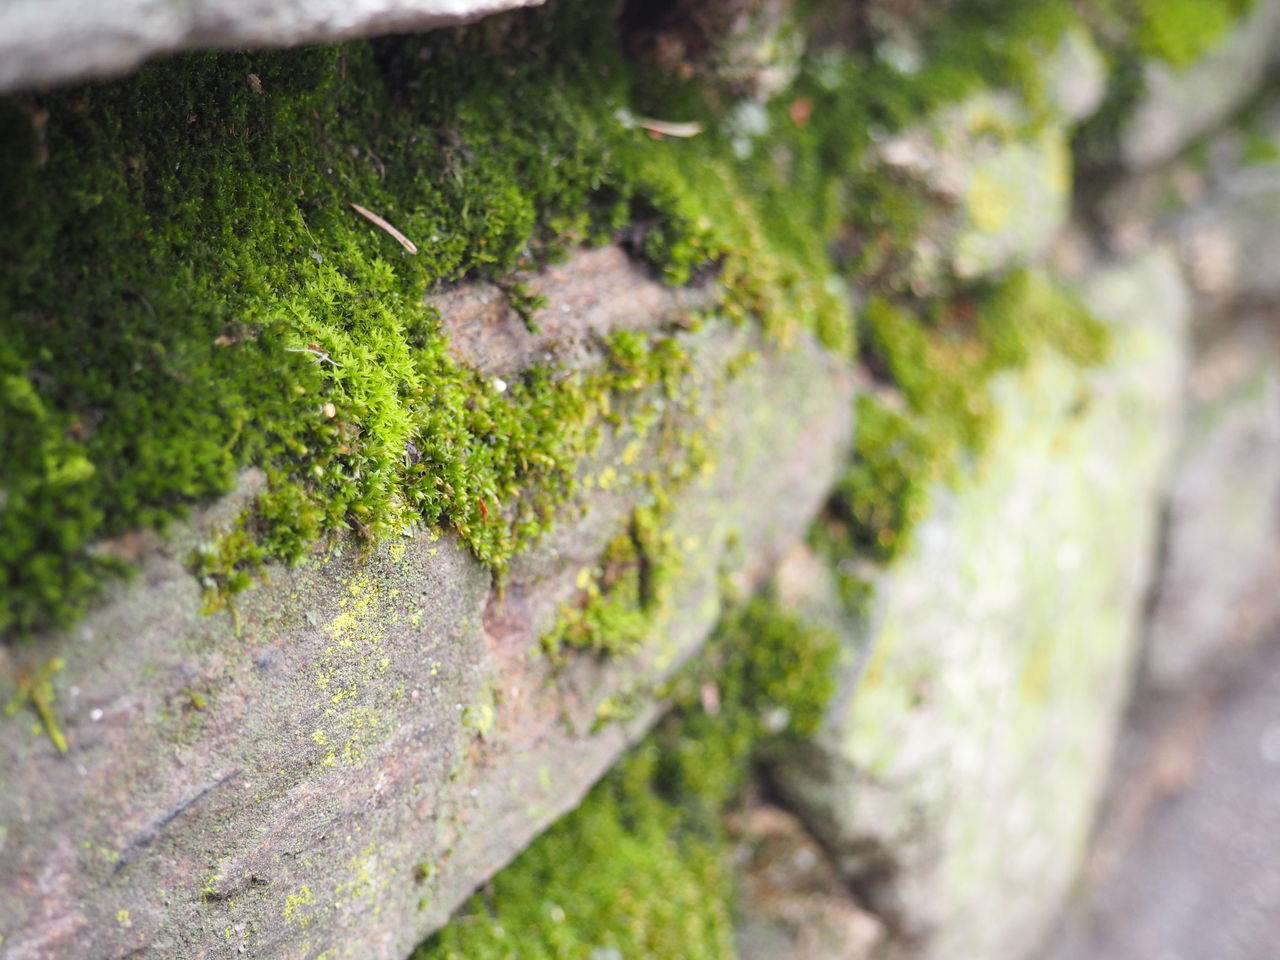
(187, 291)
(1180, 31)
(617, 597)
(642, 865)
(939, 356)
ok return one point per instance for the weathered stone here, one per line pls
(1221, 548)
(955, 776)
(1075, 76)
(1227, 242)
(43, 42)
(994, 183)
(1179, 105)
(995, 195)
(793, 904)
(385, 731)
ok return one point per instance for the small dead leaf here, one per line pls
(255, 84)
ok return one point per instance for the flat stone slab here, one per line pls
(47, 42)
(385, 730)
(955, 775)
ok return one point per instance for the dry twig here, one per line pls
(377, 221)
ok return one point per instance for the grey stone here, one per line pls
(385, 731)
(1228, 243)
(1195, 875)
(955, 776)
(1221, 552)
(45, 42)
(1075, 76)
(792, 903)
(1179, 105)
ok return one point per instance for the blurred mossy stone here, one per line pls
(956, 775)
(1181, 102)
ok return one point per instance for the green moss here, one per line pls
(613, 611)
(940, 356)
(1181, 31)
(35, 687)
(642, 866)
(186, 291)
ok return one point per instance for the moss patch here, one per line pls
(939, 356)
(187, 289)
(641, 867)
(1181, 31)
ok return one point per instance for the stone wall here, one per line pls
(946, 328)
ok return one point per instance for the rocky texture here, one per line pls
(44, 43)
(995, 193)
(1178, 105)
(794, 905)
(594, 293)
(1191, 866)
(1221, 552)
(997, 198)
(993, 663)
(1227, 239)
(384, 730)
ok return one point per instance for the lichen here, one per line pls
(650, 873)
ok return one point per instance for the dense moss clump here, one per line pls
(1180, 31)
(187, 290)
(641, 868)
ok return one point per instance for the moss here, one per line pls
(940, 356)
(35, 687)
(642, 867)
(1181, 31)
(616, 599)
(187, 290)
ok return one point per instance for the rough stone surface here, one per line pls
(1228, 240)
(385, 731)
(594, 293)
(1197, 873)
(995, 182)
(1221, 552)
(1179, 105)
(793, 904)
(996, 196)
(45, 42)
(955, 776)
(1076, 76)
